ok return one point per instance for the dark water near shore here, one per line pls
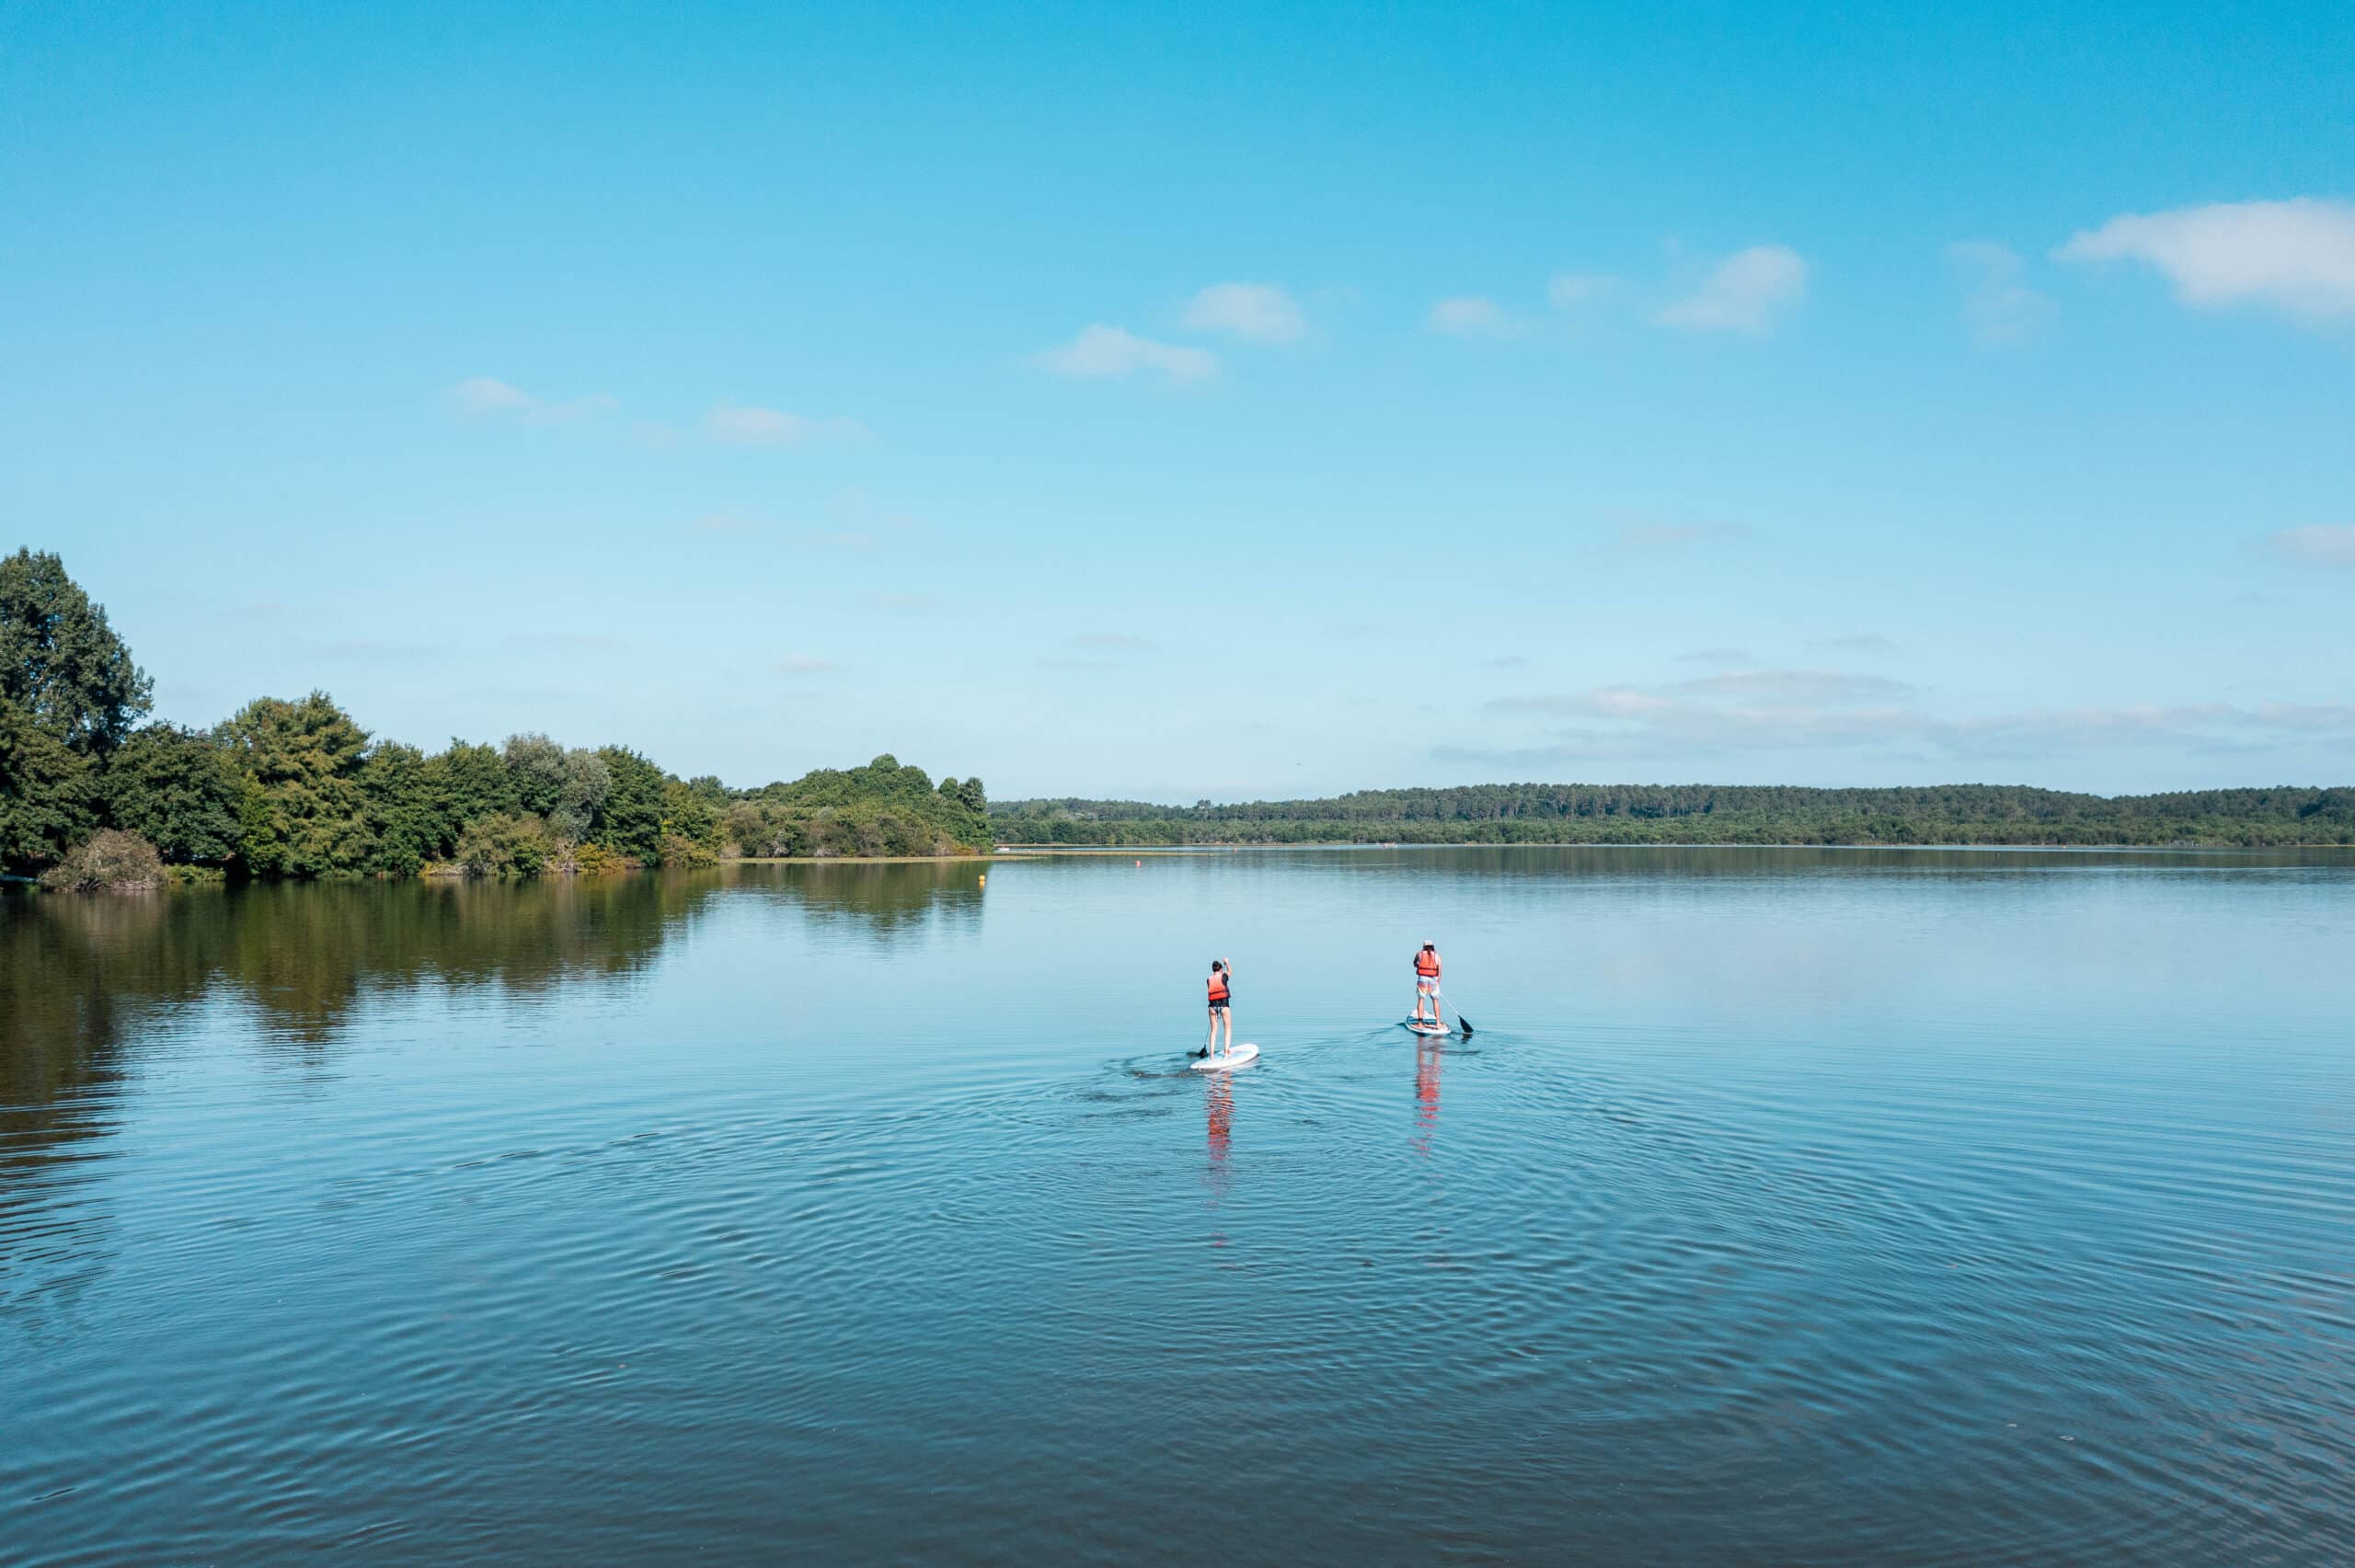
(1788, 1207)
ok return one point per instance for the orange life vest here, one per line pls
(1427, 964)
(1218, 985)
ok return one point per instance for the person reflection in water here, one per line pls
(1222, 1130)
(1427, 1055)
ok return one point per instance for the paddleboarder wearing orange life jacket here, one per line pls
(1427, 983)
(1222, 984)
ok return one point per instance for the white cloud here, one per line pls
(1100, 350)
(2298, 255)
(1744, 293)
(488, 394)
(2323, 545)
(483, 397)
(1257, 312)
(1568, 291)
(805, 664)
(2002, 308)
(742, 426)
(1470, 316)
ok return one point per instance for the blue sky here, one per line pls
(1179, 401)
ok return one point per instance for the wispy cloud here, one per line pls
(2321, 545)
(1471, 316)
(2297, 256)
(738, 425)
(804, 664)
(377, 650)
(2001, 309)
(1568, 291)
(1733, 658)
(1746, 293)
(1257, 312)
(721, 522)
(1121, 641)
(482, 397)
(1101, 351)
(1859, 642)
(834, 539)
(562, 642)
(1813, 688)
(1799, 709)
(1510, 662)
(1645, 535)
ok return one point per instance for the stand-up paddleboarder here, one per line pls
(1222, 984)
(1427, 983)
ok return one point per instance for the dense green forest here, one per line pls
(1702, 814)
(294, 787)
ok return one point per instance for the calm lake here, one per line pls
(1786, 1207)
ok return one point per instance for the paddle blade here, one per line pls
(1464, 1024)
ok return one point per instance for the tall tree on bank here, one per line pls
(44, 793)
(301, 808)
(61, 662)
(173, 787)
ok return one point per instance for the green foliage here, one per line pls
(1705, 814)
(173, 786)
(504, 845)
(45, 791)
(678, 850)
(109, 860)
(629, 821)
(469, 783)
(565, 787)
(61, 662)
(405, 811)
(302, 809)
(882, 808)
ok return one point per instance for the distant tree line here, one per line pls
(1702, 814)
(296, 788)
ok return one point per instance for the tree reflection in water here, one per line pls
(83, 978)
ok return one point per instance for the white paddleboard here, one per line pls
(1425, 1028)
(1241, 1056)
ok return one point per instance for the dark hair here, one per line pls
(1216, 965)
(1427, 946)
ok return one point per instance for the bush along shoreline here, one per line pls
(91, 797)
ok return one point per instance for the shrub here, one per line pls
(109, 858)
(680, 850)
(502, 844)
(596, 860)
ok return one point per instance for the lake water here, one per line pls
(1786, 1207)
